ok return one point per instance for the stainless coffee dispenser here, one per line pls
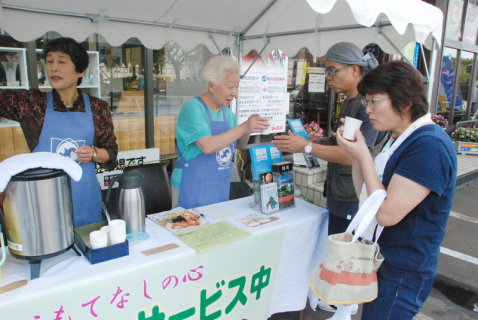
(39, 215)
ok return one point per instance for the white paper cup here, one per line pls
(105, 229)
(98, 239)
(351, 124)
(116, 238)
(117, 225)
(113, 242)
(117, 231)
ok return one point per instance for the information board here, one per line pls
(263, 90)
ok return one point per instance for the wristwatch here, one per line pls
(308, 148)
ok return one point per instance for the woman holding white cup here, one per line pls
(417, 167)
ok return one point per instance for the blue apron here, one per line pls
(63, 133)
(206, 179)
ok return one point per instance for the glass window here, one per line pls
(464, 80)
(471, 22)
(122, 86)
(12, 76)
(454, 19)
(445, 89)
(474, 100)
(176, 80)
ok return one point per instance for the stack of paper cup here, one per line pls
(351, 124)
(117, 231)
(98, 239)
(107, 230)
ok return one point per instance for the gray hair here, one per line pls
(349, 53)
(217, 69)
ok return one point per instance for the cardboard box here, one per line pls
(94, 256)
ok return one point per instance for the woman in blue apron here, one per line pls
(67, 122)
(206, 136)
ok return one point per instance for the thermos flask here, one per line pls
(129, 201)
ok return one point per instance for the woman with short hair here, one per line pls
(67, 122)
(206, 136)
(418, 168)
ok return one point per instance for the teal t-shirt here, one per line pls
(193, 124)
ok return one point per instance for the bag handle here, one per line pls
(364, 222)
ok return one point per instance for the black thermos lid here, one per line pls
(38, 174)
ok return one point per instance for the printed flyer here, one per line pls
(263, 90)
(179, 219)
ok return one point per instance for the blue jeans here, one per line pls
(398, 298)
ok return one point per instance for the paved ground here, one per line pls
(456, 287)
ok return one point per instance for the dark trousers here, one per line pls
(337, 224)
(398, 298)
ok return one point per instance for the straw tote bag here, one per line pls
(348, 273)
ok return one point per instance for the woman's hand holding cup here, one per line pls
(357, 148)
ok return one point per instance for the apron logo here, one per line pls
(224, 157)
(66, 147)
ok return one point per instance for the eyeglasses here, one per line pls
(371, 103)
(333, 72)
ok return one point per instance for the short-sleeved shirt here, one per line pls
(411, 247)
(193, 124)
(347, 209)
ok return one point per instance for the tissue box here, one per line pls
(82, 241)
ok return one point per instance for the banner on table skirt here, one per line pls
(234, 281)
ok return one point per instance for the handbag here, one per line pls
(348, 273)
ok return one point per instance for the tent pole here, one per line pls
(425, 62)
(380, 31)
(239, 61)
(295, 32)
(258, 17)
(433, 59)
(268, 40)
(148, 98)
(451, 106)
(32, 65)
(97, 18)
(211, 36)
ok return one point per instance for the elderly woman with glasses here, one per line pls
(206, 137)
(417, 167)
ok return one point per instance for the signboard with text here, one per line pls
(125, 158)
(263, 90)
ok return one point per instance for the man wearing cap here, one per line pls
(345, 66)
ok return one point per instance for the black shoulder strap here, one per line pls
(380, 144)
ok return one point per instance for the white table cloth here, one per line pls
(302, 249)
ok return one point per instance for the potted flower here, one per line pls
(313, 129)
(466, 140)
(440, 120)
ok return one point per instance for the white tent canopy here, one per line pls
(289, 24)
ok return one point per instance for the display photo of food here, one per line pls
(179, 219)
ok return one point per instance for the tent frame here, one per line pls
(240, 38)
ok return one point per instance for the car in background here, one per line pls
(296, 93)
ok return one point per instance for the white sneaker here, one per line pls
(331, 308)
